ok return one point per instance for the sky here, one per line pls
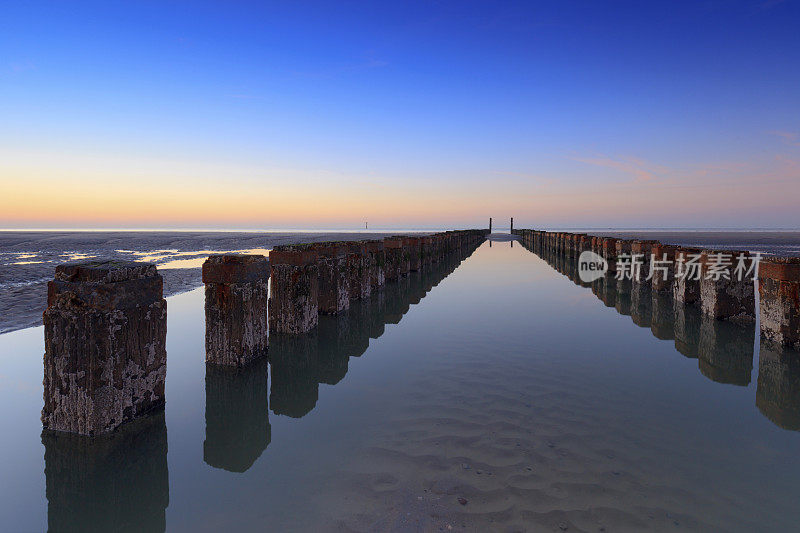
(235, 114)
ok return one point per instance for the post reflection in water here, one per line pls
(294, 361)
(120, 481)
(641, 305)
(687, 330)
(237, 415)
(724, 350)
(606, 291)
(623, 305)
(778, 391)
(114, 482)
(300, 363)
(662, 316)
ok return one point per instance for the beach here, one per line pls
(489, 393)
(28, 259)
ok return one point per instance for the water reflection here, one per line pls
(294, 363)
(641, 305)
(778, 391)
(237, 417)
(608, 292)
(687, 330)
(299, 363)
(724, 351)
(662, 316)
(623, 304)
(120, 481)
(114, 482)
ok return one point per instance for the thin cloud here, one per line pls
(642, 171)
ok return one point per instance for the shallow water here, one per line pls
(501, 396)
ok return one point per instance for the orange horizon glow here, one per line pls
(65, 190)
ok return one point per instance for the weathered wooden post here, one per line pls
(294, 299)
(334, 283)
(377, 261)
(585, 244)
(686, 281)
(236, 308)
(566, 244)
(722, 295)
(105, 358)
(436, 248)
(779, 300)
(642, 251)
(490, 225)
(609, 253)
(394, 256)
(358, 270)
(597, 243)
(623, 275)
(405, 254)
(414, 246)
(663, 267)
(426, 249)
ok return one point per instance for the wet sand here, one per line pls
(484, 451)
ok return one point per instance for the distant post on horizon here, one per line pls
(512, 225)
(490, 225)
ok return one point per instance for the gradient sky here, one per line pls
(405, 114)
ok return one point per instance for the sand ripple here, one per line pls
(492, 454)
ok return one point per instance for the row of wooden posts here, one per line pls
(724, 351)
(97, 483)
(720, 296)
(105, 323)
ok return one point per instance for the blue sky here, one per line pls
(318, 113)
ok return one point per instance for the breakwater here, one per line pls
(95, 483)
(721, 283)
(105, 325)
(709, 320)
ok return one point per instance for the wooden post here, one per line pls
(105, 358)
(236, 308)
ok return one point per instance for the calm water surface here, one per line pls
(494, 394)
